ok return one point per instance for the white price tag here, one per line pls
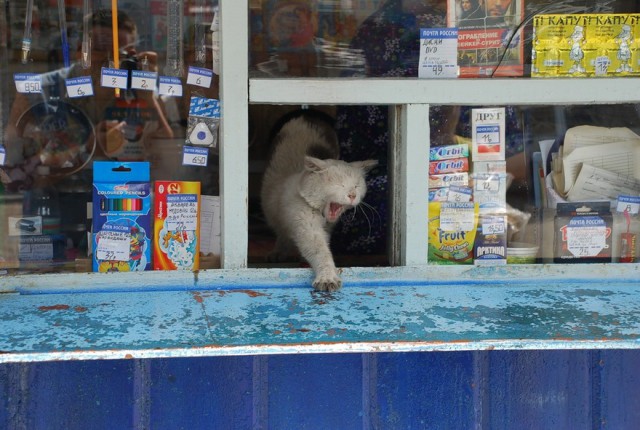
(143, 80)
(457, 217)
(79, 87)
(602, 64)
(493, 225)
(438, 53)
(488, 131)
(199, 76)
(170, 86)
(630, 204)
(586, 241)
(28, 83)
(114, 78)
(192, 156)
(114, 245)
(182, 212)
(39, 249)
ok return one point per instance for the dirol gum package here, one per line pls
(176, 225)
(582, 45)
(121, 216)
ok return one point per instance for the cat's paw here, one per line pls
(331, 282)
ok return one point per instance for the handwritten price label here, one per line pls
(28, 83)
(170, 86)
(113, 245)
(143, 80)
(438, 53)
(114, 78)
(79, 87)
(192, 156)
(199, 76)
(182, 212)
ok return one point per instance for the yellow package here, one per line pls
(452, 244)
(585, 45)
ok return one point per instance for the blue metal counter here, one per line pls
(231, 315)
(500, 348)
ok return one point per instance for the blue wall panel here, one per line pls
(587, 389)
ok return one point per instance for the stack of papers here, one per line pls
(597, 163)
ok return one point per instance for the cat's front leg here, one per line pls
(314, 247)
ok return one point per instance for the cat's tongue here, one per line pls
(335, 209)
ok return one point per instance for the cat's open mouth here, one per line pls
(334, 211)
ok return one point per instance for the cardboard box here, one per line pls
(176, 225)
(121, 216)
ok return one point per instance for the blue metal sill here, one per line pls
(274, 311)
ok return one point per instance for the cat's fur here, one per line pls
(305, 189)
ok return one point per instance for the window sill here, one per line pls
(273, 311)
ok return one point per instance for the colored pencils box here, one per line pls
(176, 225)
(121, 216)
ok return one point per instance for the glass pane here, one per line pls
(74, 94)
(360, 236)
(561, 185)
(339, 38)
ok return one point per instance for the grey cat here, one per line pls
(306, 189)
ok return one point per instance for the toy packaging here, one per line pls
(121, 216)
(176, 225)
(583, 45)
(583, 232)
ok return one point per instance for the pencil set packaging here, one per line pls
(177, 225)
(121, 216)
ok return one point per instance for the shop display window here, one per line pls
(69, 101)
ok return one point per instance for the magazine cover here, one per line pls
(490, 42)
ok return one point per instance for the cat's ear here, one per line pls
(314, 164)
(365, 165)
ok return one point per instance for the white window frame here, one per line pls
(411, 97)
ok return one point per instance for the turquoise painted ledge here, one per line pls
(273, 311)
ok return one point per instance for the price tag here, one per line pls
(192, 156)
(199, 76)
(182, 212)
(79, 87)
(459, 194)
(487, 182)
(493, 225)
(114, 243)
(602, 64)
(630, 204)
(170, 86)
(586, 236)
(457, 216)
(114, 78)
(143, 80)
(28, 83)
(487, 138)
(36, 248)
(438, 53)
(3, 155)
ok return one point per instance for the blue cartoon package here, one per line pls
(121, 216)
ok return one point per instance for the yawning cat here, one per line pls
(305, 190)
